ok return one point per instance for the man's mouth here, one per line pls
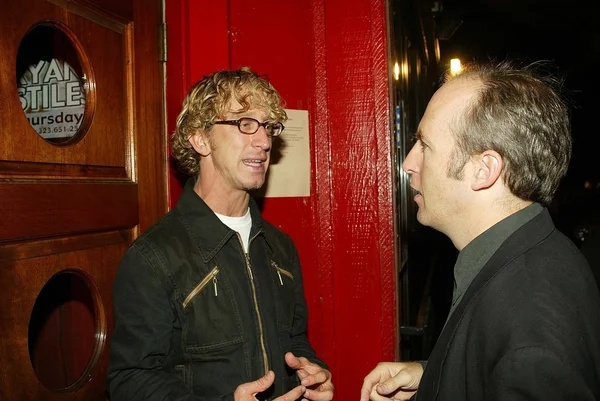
(253, 162)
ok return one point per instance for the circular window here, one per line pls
(66, 331)
(53, 83)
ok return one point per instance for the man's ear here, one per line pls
(488, 168)
(200, 143)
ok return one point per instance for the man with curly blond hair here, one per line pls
(209, 303)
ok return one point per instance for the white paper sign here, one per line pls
(289, 173)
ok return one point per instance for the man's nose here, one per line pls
(411, 162)
(261, 139)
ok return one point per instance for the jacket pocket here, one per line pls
(211, 316)
(210, 277)
(218, 370)
(285, 289)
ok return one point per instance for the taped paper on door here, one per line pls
(289, 173)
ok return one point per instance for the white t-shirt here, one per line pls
(240, 224)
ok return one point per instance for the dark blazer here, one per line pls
(527, 328)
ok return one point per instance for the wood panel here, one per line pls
(47, 209)
(117, 10)
(72, 210)
(147, 151)
(11, 169)
(12, 252)
(104, 144)
(21, 283)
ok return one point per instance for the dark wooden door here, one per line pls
(82, 172)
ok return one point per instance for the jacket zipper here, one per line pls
(212, 276)
(260, 326)
(281, 271)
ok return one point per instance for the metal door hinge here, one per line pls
(162, 42)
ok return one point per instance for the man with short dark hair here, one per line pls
(524, 323)
(209, 303)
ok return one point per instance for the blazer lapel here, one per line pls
(530, 234)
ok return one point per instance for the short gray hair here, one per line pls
(522, 116)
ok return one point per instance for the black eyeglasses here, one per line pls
(249, 126)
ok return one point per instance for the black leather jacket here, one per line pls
(195, 316)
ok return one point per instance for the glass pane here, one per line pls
(62, 331)
(51, 84)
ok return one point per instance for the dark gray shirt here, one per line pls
(479, 251)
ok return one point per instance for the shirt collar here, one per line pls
(478, 252)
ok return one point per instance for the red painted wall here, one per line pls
(330, 58)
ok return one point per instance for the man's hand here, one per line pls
(392, 381)
(316, 379)
(248, 391)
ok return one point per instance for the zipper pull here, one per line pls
(215, 285)
(278, 272)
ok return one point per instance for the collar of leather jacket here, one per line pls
(205, 227)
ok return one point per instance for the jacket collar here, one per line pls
(525, 238)
(204, 227)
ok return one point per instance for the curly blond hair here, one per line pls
(208, 101)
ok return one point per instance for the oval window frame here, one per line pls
(88, 79)
(100, 331)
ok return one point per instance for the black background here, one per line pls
(565, 33)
